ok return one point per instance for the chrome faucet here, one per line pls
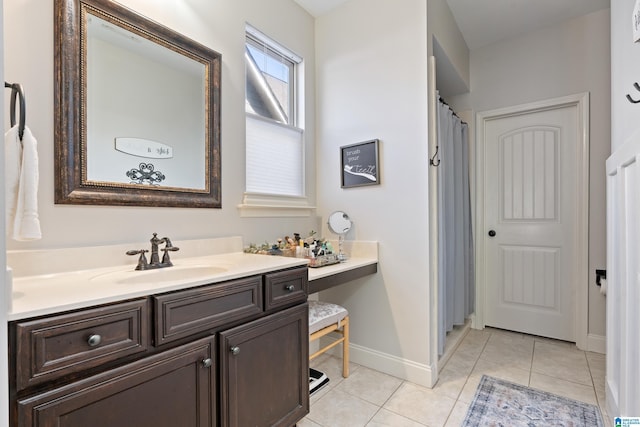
(143, 264)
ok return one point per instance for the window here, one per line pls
(275, 142)
(270, 82)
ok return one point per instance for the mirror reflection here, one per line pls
(145, 106)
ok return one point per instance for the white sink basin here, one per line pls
(160, 275)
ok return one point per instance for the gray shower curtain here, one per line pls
(456, 285)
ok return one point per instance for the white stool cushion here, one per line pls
(323, 314)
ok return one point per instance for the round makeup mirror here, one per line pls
(340, 224)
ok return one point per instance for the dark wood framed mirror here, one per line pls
(137, 110)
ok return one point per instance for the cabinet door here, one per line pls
(265, 371)
(173, 388)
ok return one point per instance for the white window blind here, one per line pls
(275, 158)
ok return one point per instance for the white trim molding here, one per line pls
(405, 369)
(597, 343)
(581, 289)
(269, 205)
(433, 222)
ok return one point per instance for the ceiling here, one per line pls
(319, 7)
(488, 21)
(483, 22)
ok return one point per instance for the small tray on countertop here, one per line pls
(324, 260)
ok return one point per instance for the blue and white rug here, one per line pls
(499, 403)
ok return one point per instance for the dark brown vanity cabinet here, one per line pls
(56, 346)
(261, 381)
(174, 388)
(204, 356)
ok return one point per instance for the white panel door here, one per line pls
(530, 207)
(623, 276)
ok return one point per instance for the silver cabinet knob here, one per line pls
(290, 288)
(235, 350)
(206, 363)
(94, 340)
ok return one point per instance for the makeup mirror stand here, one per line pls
(340, 224)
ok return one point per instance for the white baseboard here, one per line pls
(408, 370)
(597, 343)
(611, 402)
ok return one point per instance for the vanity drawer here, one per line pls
(184, 313)
(56, 346)
(286, 288)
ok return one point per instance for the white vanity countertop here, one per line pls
(48, 294)
(50, 281)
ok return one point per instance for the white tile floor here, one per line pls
(370, 398)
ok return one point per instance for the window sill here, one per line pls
(271, 205)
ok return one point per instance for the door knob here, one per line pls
(235, 350)
(492, 233)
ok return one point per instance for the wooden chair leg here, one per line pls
(345, 348)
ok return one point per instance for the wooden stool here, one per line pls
(325, 318)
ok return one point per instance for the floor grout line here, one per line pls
(467, 374)
(467, 379)
(533, 355)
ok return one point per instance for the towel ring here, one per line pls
(17, 91)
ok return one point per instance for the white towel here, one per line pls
(21, 175)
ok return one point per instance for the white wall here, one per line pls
(4, 375)
(372, 83)
(442, 25)
(568, 58)
(220, 25)
(446, 43)
(625, 70)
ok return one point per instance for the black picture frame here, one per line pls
(359, 164)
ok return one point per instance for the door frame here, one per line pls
(581, 220)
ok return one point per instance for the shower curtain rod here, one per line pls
(449, 107)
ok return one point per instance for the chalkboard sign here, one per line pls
(359, 164)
